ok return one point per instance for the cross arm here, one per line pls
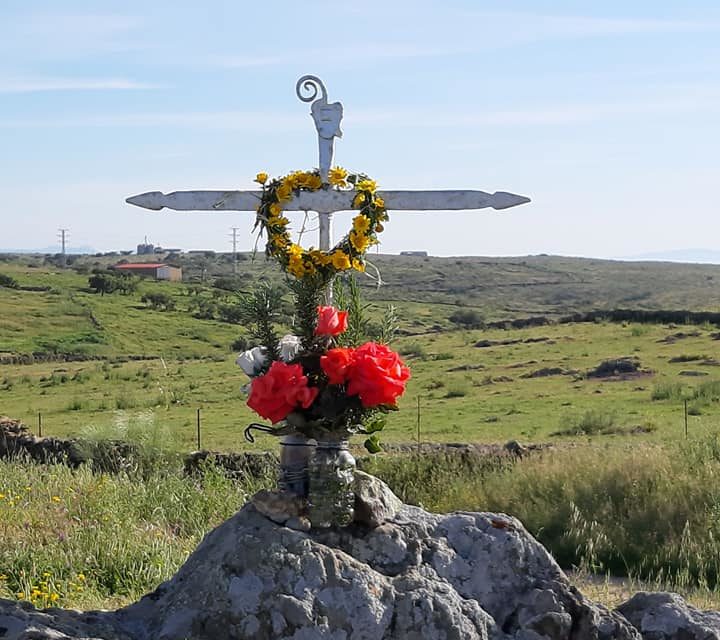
(327, 201)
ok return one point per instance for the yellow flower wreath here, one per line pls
(346, 254)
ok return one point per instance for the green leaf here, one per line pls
(372, 444)
(375, 424)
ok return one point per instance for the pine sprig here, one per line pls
(309, 295)
(260, 310)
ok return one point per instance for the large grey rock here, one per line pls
(666, 616)
(374, 501)
(418, 576)
(21, 621)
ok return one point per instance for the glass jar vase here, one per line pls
(295, 453)
(331, 475)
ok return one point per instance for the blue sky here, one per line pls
(606, 114)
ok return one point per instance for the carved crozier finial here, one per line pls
(327, 117)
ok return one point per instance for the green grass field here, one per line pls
(623, 491)
(529, 384)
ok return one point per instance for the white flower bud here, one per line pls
(252, 361)
(289, 346)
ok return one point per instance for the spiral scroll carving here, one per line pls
(310, 86)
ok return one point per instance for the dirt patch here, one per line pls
(518, 365)
(549, 371)
(466, 367)
(625, 368)
(674, 337)
(501, 343)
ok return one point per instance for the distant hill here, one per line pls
(699, 256)
(82, 250)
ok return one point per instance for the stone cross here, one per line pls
(325, 202)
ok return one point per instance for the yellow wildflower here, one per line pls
(358, 200)
(361, 223)
(261, 177)
(340, 260)
(296, 266)
(295, 250)
(2, 496)
(46, 574)
(337, 177)
(280, 240)
(54, 597)
(359, 241)
(309, 268)
(367, 185)
(81, 577)
(275, 209)
(284, 192)
(358, 265)
(56, 499)
(20, 594)
(313, 182)
(379, 202)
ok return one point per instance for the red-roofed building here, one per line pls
(157, 270)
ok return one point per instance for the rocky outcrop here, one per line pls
(410, 575)
(666, 616)
(463, 576)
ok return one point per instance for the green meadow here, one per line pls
(626, 487)
(115, 360)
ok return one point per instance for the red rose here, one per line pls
(335, 363)
(331, 322)
(377, 375)
(283, 388)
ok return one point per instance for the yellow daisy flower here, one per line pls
(361, 223)
(337, 177)
(340, 261)
(367, 185)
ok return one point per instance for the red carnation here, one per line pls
(331, 322)
(377, 375)
(335, 363)
(283, 388)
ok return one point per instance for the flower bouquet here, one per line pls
(327, 383)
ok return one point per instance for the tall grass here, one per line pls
(649, 512)
(652, 513)
(76, 538)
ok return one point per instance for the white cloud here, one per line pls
(32, 85)
(55, 36)
(673, 99)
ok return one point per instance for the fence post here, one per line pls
(198, 429)
(39, 424)
(418, 425)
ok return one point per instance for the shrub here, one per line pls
(240, 344)
(667, 391)
(160, 301)
(413, 350)
(592, 422)
(8, 281)
(457, 389)
(469, 318)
